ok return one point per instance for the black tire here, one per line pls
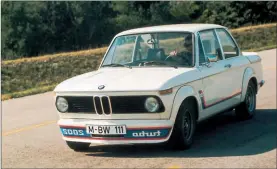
(184, 127)
(78, 146)
(247, 108)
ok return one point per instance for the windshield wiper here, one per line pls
(116, 65)
(158, 62)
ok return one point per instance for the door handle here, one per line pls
(207, 64)
(228, 66)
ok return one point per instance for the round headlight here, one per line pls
(62, 104)
(152, 104)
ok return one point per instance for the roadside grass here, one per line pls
(262, 48)
(27, 76)
(36, 74)
(28, 92)
(246, 28)
(45, 58)
(257, 37)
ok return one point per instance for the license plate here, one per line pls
(106, 129)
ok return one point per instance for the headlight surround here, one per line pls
(62, 104)
(152, 104)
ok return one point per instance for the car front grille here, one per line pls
(128, 104)
(102, 105)
(107, 105)
(80, 104)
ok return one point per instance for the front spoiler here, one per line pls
(133, 126)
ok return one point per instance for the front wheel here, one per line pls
(247, 108)
(184, 127)
(78, 146)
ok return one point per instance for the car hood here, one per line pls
(126, 79)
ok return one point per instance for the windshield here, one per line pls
(151, 49)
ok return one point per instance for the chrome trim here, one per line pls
(135, 48)
(102, 107)
(95, 106)
(193, 49)
(100, 98)
(196, 52)
(202, 47)
(110, 105)
(220, 45)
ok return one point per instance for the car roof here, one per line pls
(171, 28)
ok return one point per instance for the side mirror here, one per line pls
(212, 58)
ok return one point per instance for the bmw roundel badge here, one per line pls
(101, 87)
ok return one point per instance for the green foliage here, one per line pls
(236, 14)
(35, 28)
(32, 28)
(184, 12)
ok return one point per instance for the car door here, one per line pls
(234, 62)
(216, 91)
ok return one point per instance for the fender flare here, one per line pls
(181, 94)
(248, 74)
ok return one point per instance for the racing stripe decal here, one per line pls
(205, 105)
(133, 133)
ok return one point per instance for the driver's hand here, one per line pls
(173, 53)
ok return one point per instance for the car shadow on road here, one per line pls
(220, 136)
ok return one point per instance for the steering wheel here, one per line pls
(168, 57)
(171, 58)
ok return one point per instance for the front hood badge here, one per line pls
(101, 87)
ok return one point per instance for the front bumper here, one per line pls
(133, 126)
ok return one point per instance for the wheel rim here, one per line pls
(187, 125)
(250, 99)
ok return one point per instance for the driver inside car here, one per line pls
(183, 56)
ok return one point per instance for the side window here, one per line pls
(202, 58)
(228, 45)
(210, 44)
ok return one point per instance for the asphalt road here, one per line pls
(31, 138)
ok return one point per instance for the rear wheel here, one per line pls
(78, 146)
(184, 127)
(247, 108)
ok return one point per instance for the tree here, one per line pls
(184, 12)
(36, 28)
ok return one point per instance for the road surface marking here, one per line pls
(28, 128)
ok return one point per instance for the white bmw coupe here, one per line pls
(155, 84)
